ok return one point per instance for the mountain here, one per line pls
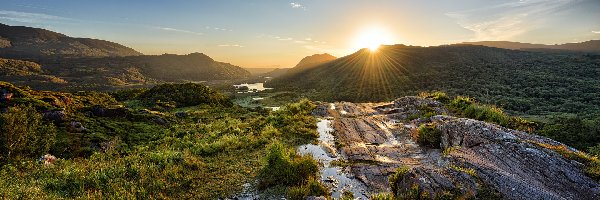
(530, 83)
(91, 64)
(592, 46)
(107, 73)
(311, 61)
(26, 43)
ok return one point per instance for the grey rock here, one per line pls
(56, 116)
(481, 157)
(182, 114)
(76, 127)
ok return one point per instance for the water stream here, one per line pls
(333, 176)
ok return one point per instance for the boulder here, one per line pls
(160, 121)
(56, 116)
(181, 114)
(110, 112)
(76, 127)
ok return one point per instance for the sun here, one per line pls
(372, 38)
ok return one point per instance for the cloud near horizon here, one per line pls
(231, 45)
(178, 30)
(508, 20)
(28, 17)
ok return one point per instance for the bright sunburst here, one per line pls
(372, 38)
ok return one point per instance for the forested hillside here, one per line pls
(527, 83)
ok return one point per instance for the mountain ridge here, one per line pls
(21, 42)
(591, 46)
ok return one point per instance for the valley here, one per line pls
(84, 118)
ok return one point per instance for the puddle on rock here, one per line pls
(332, 176)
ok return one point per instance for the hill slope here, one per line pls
(26, 42)
(524, 82)
(592, 46)
(90, 73)
(309, 62)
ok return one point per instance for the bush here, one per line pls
(438, 96)
(428, 135)
(24, 134)
(382, 196)
(467, 107)
(284, 167)
(398, 176)
(130, 94)
(311, 188)
(183, 95)
(461, 103)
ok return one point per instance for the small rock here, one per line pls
(160, 121)
(48, 160)
(76, 127)
(182, 114)
(316, 198)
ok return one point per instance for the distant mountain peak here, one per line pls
(200, 55)
(315, 59)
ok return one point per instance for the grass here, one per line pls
(209, 154)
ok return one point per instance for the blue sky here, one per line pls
(269, 33)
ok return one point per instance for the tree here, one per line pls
(24, 134)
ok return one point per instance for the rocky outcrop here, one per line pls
(476, 159)
(514, 162)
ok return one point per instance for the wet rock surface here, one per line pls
(480, 159)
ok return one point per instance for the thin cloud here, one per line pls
(27, 17)
(297, 6)
(178, 30)
(231, 45)
(508, 20)
(285, 39)
(596, 32)
(217, 28)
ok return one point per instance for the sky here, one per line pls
(278, 33)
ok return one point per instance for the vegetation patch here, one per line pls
(183, 95)
(428, 135)
(135, 153)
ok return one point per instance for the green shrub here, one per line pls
(183, 95)
(24, 134)
(347, 195)
(382, 196)
(467, 107)
(429, 135)
(312, 188)
(284, 167)
(130, 94)
(461, 103)
(438, 96)
(397, 177)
